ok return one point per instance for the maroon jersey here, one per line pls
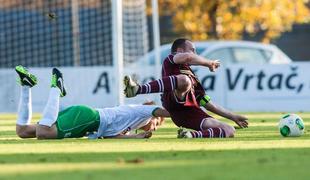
(170, 68)
(185, 113)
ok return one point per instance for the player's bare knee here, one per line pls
(184, 82)
(41, 135)
(20, 133)
(41, 132)
(45, 132)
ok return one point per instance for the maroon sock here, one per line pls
(209, 133)
(165, 84)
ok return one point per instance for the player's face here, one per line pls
(152, 125)
(189, 47)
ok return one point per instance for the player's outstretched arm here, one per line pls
(240, 120)
(194, 59)
(142, 135)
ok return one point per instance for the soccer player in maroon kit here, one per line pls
(183, 94)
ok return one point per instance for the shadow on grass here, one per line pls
(148, 156)
(233, 164)
(240, 138)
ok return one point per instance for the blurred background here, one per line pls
(112, 38)
(284, 23)
(43, 33)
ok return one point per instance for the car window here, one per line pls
(164, 53)
(224, 55)
(267, 54)
(249, 55)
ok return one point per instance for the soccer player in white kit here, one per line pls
(79, 121)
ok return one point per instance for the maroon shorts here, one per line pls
(186, 116)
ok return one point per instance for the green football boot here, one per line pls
(57, 81)
(25, 78)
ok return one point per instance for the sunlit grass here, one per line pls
(259, 151)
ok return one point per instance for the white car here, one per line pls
(228, 52)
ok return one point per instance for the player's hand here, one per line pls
(214, 64)
(146, 134)
(241, 121)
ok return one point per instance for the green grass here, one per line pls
(258, 152)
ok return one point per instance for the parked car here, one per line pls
(228, 52)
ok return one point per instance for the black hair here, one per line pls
(178, 43)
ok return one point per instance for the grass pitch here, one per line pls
(258, 152)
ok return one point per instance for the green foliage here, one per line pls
(229, 19)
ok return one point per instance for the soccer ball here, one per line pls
(291, 125)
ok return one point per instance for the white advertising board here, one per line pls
(255, 88)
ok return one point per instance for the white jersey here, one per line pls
(123, 119)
